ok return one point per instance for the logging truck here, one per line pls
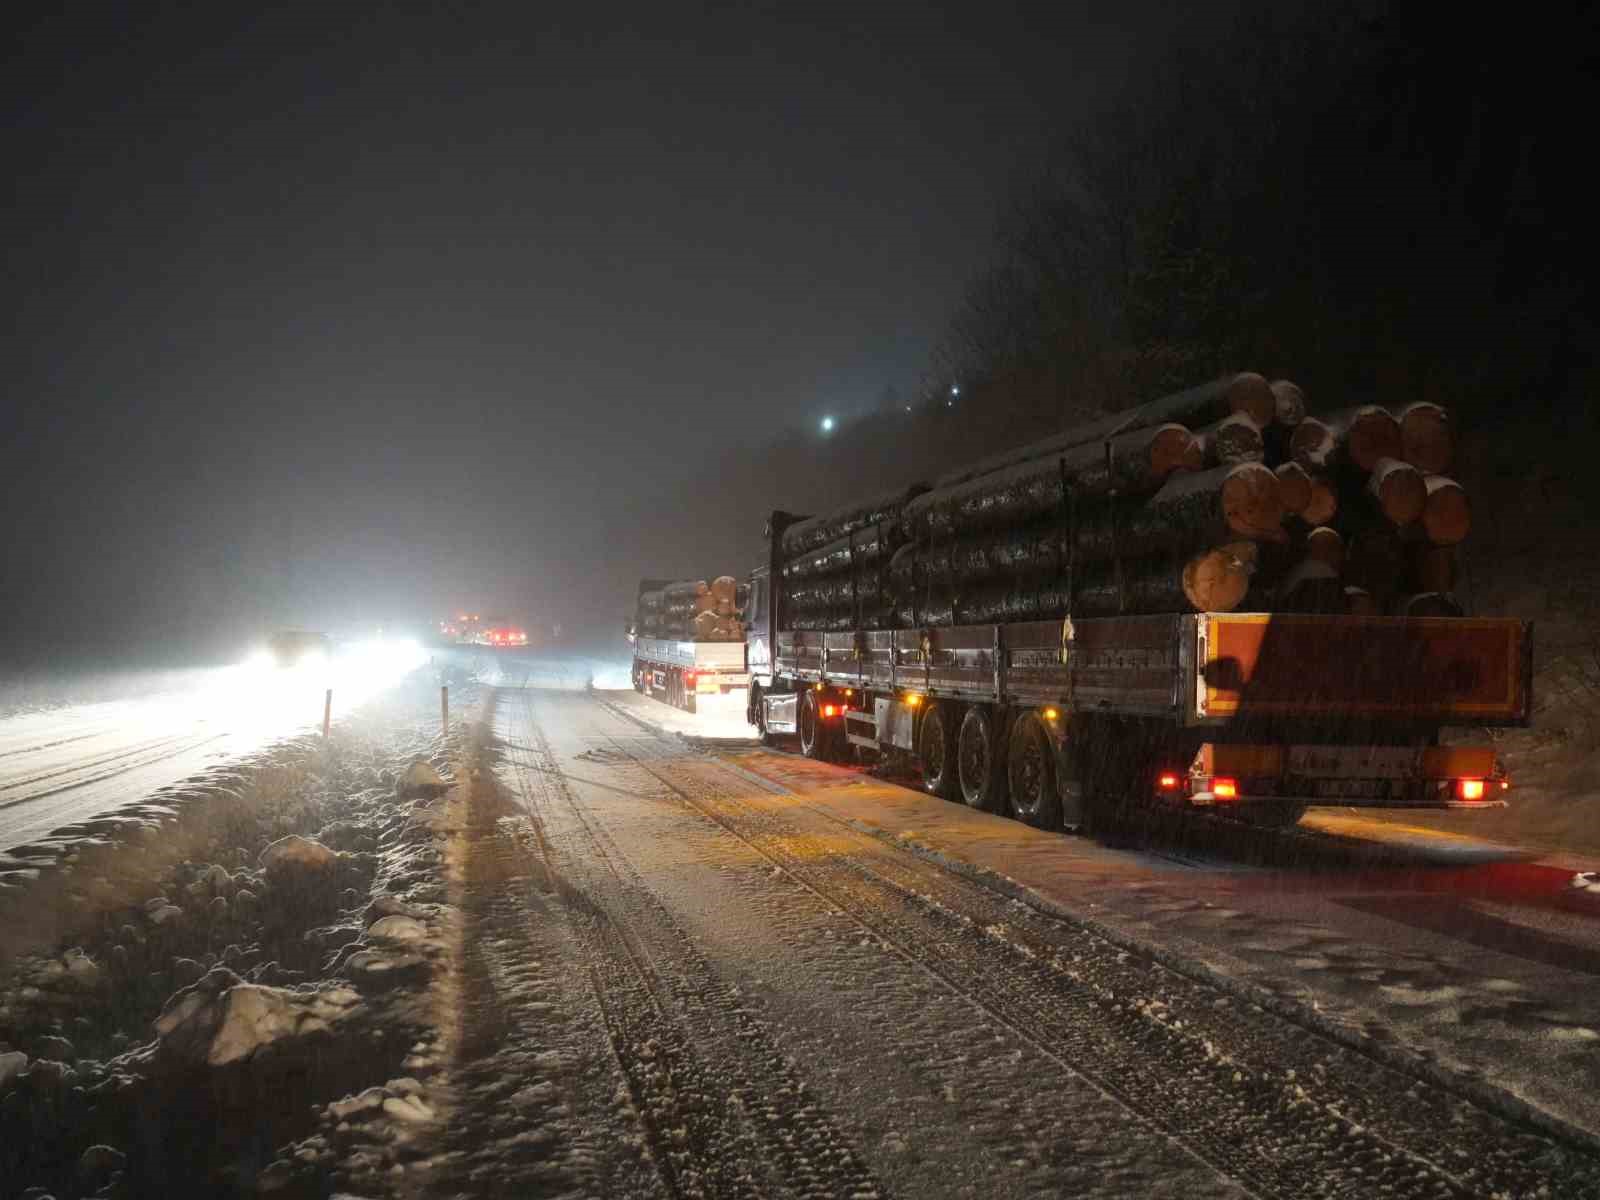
(679, 654)
(1119, 618)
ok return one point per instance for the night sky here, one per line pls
(318, 317)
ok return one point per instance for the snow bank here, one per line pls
(223, 1020)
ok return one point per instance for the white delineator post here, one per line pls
(444, 707)
(327, 711)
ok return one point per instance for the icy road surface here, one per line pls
(66, 764)
(700, 970)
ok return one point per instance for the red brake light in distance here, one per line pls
(1168, 782)
(1225, 789)
(830, 710)
(1469, 789)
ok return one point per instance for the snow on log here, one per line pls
(1133, 462)
(1234, 439)
(1427, 440)
(883, 510)
(1245, 392)
(1289, 403)
(853, 550)
(1396, 487)
(1215, 580)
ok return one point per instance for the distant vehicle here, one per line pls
(462, 629)
(497, 632)
(296, 647)
(687, 640)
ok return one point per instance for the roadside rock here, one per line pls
(295, 854)
(218, 1028)
(353, 1106)
(391, 906)
(409, 1109)
(398, 929)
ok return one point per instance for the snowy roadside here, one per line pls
(225, 988)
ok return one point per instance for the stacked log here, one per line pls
(692, 610)
(1225, 496)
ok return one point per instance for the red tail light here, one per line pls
(1469, 789)
(830, 710)
(1225, 789)
(1168, 781)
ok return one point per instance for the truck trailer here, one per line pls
(1046, 705)
(683, 646)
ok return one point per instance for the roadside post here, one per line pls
(444, 707)
(327, 711)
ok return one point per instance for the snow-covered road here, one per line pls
(65, 764)
(698, 969)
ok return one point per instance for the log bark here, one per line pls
(1215, 580)
(1446, 515)
(1134, 462)
(1427, 439)
(1234, 439)
(1245, 392)
(883, 510)
(1294, 487)
(1398, 491)
(862, 549)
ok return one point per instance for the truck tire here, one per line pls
(815, 740)
(981, 759)
(937, 749)
(1030, 768)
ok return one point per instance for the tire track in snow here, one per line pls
(724, 1111)
(1283, 1132)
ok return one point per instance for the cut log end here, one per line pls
(1311, 444)
(1219, 579)
(1289, 402)
(1399, 491)
(1323, 505)
(1370, 435)
(1446, 515)
(1174, 448)
(1326, 545)
(1251, 394)
(1294, 487)
(1234, 439)
(1427, 440)
(1252, 504)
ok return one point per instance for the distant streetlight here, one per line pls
(827, 424)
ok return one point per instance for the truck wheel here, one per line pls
(813, 735)
(937, 749)
(981, 760)
(1030, 767)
